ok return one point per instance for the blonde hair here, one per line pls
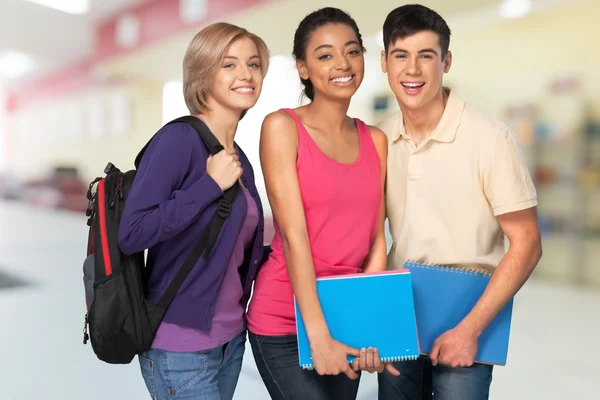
(203, 57)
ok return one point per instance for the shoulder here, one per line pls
(378, 136)
(390, 124)
(483, 126)
(279, 127)
(490, 138)
(177, 137)
(279, 119)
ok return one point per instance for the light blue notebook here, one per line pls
(444, 296)
(365, 310)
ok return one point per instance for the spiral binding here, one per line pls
(400, 358)
(384, 359)
(460, 269)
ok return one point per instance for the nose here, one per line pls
(343, 63)
(245, 73)
(413, 67)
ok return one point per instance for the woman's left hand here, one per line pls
(370, 361)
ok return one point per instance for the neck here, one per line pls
(420, 123)
(324, 112)
(223, 124)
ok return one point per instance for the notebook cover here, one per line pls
(443, 296)
(365, 310)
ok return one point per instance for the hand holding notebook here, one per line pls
(330, 357)
(456, 348)
(443, 297)
(385, 320)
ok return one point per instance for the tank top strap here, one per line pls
(304, 140)
(293, 115)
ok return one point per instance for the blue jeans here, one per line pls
(446, 383)
(204, 375)
(277, 361)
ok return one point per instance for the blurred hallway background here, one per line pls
(85, 82)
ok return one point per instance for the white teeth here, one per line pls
(412, 85)
(244, 90)
(342, 80)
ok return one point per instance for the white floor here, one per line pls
(554, 345)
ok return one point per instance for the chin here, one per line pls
(412, 102)
(345, 94)
(243, 105)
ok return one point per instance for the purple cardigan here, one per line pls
(170, 203)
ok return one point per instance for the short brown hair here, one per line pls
(203, 56)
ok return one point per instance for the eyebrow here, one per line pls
(235, 58)
(420, 51)
(328, 46)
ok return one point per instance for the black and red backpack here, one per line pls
(122, 322)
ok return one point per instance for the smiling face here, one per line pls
(333, 62)
(238, 80)
(415, 68)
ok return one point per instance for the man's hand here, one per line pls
(455, 348)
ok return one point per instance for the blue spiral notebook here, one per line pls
(363, 310)
(444, 296)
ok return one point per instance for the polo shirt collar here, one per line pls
(446, 129)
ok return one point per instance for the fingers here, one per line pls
(235, 159)
(350, 372)
(389, 367)
(435, 352)
(367, 359)
(377, 365)
(352, 351)
(363, 359)
(356, 364)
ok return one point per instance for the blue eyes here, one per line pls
(252, 66)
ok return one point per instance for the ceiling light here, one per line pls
(14, 64)
(68, 6)
(515, 8)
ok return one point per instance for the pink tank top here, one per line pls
(341, 205)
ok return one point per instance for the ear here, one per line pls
(302, 70)
(447, 62)
(384, 61)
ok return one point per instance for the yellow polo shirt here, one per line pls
(442, 197)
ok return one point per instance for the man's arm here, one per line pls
(458, 347)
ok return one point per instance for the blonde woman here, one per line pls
(198, 349)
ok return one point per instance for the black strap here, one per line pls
(208, 239)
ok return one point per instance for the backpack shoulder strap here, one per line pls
(208, 138)
(207, 240)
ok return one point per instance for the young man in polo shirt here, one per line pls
(456, 184)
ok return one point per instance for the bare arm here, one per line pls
(523, 232)
(458, 347)
(278, 155)
(377, 258)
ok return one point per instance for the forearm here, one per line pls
(304, 285)
(377, 259)
(508, 278)
(144, 225)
